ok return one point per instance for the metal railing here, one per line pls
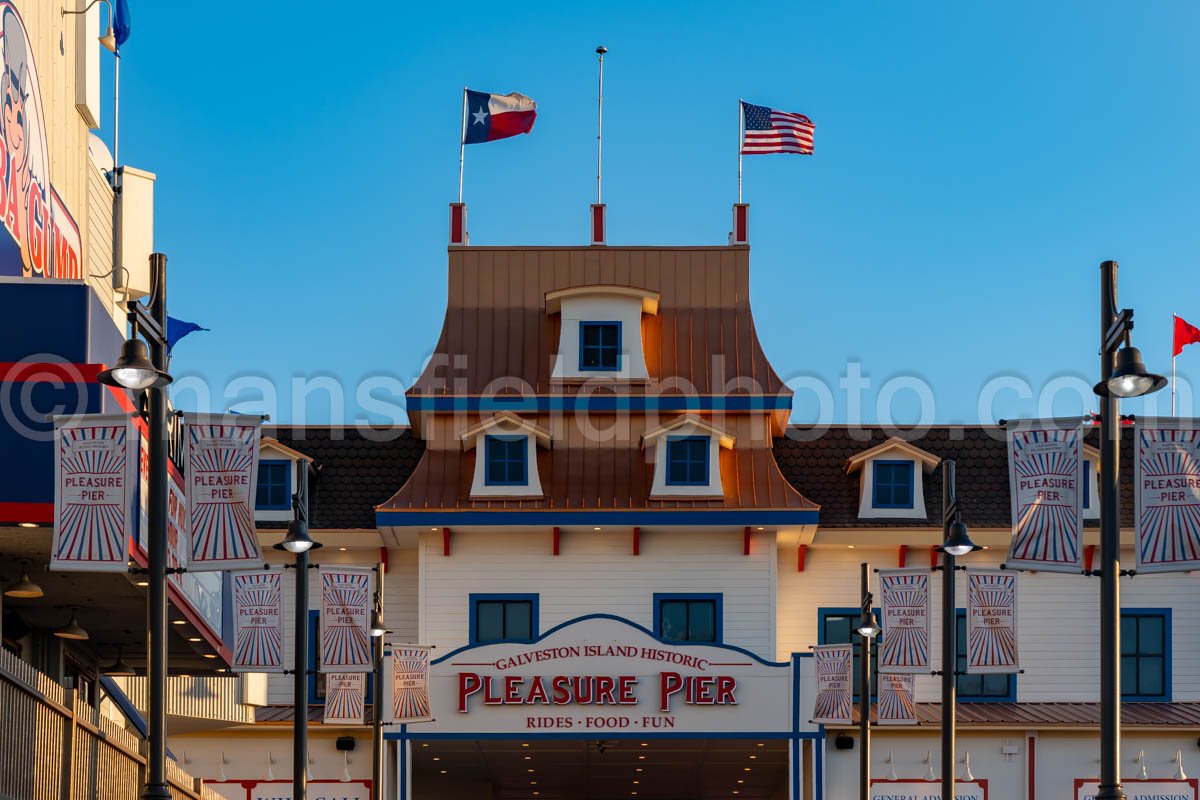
(54, 747)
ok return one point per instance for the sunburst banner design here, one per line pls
(345, 698)
(1167, 495)
(95, 474)
(257, 621)
(897, 705)
(222, 478)
(346, 594)
(904, 607)
(832, 663)
(992, 621)
(1045, 470)
(408, 685)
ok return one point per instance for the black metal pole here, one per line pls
(377, 705)
(949, 637)
(864, 696)
(1110, 552)
(156, 510)
(300, 729)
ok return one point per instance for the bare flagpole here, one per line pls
(462, 144)
(741, 134)
(1174, 316)
(600, 51)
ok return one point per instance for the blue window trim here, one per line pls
(717, 599)
(473, 600)
(707, 458)
(822, 613)
(1011, 697)
(1087, 484)
(912, 484)
(314, 629)
(596, 324)
(287, 495)
(1165, 613)
(487, 459)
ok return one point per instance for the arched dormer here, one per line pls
(601, 331)
(505, 456)
(892, 485)
(687, 458)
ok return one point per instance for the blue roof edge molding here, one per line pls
(630, 623)
(595, 402)
(648, 517)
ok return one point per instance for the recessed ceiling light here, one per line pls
(641, 758)
(437, 758)
(595, 529)
(745, 769)
(740, 780)
(637, 781)
(529, 770)
(210, 655)
(433, 529)
(443, 772)
(195, 639)
(342, 549)
(179, 622)
(639, 769)
(850, 546)
(533, 783)
(424, 744)
(524, 744)
(760, 744)
(760, 529)
(753, 757)
(527, 758)
(27, 524)
(645, 744)
(143, 584)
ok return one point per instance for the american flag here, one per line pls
(769, 130)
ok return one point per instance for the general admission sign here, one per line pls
(604, 674)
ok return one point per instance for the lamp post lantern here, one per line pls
(1122, 374)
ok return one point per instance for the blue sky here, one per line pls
(974, 164)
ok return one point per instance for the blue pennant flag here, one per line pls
(177, 329)
(121, 23)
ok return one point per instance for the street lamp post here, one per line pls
(140, 370)
(867, 629)
(378, 632)
(1122, 374)
(300, 543)
(957, 543)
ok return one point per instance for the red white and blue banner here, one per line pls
(496, 116)
(95, 474)
(834, 697)
(222, 477)
(992, 621)
(408, 685)
(904, 607)
(897, 703)
(257, 621)
(1167, 495)
(1045, 468)
(346, 601)
(345, 698)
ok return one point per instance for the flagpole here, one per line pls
(1174, 316)
(462, 144)
(600, 51)
(741, 125)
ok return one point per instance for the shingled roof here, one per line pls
(815, 463)
(357, 469)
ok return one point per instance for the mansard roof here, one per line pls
(497, 326)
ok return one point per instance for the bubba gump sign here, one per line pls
(606, 674)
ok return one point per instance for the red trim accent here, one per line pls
(637, 541)
(1029, 747)
(933, 556)
(29, 371)
(383, 558)
(556, 541)
(598, 223)
(746, 541)
(458, 223)
(445, 541)
(801, 553)
(1089, 555)
(741, 223)
(27, 512)
(902, 557)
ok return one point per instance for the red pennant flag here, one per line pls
(1185, 334)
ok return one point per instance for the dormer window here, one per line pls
(507, 460)
(506, 456)
(600, 346)
(687, 457)
(893, 486)
(892, 480)
(274, 489)
(600, 335)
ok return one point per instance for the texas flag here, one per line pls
(497, 116)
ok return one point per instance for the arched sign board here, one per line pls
(1137, 789)
(39, 237)
(603, 675)
(919, 789)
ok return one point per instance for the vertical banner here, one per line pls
(346, 594)
(834, 698)
(1167, 495)
(1045, 469)
(897, 705)
(408, 685)
(222, 477)
(95, 474)
(904, 606)
(345, 698)
(257, 621)
(991, 621)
